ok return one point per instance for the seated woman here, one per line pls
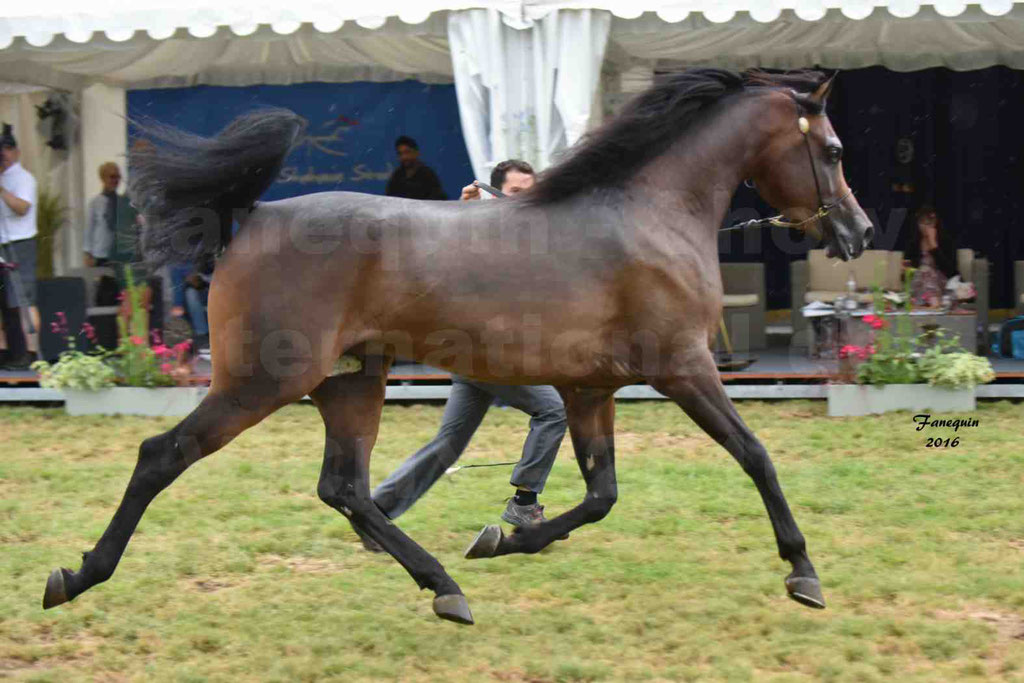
(930, 252)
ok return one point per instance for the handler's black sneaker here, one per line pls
(525, 515)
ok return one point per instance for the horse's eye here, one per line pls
(833, 154)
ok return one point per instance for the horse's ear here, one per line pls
(822, 93)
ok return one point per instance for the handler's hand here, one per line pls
(470, 191)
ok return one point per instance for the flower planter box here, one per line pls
(161, 402)
(846, 400)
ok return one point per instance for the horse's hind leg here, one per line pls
(351, 407)
(700, 393)
(591, 417)
(217, 420)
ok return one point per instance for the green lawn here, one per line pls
(238, 572)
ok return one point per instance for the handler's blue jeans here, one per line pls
(465, 410)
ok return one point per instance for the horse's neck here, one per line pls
(698, 175)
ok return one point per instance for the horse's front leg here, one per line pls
(591, 417)
(351, 408)
(699, 392)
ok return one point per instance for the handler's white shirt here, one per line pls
(22, 185)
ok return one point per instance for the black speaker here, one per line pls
(60, 295)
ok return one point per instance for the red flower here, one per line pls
(876, 322)
(860, 352)
(61, 326)
(138, 341)
(162, 350)
(183, 346)
(166, 368)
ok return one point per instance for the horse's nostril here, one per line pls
(869, 234)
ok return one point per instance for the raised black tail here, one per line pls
(189, 188)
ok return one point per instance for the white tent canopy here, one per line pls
(527, 72)
(971, 40)
(120, 20)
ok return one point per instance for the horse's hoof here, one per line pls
(486, 542)
(56, 593)
(453, 608)
(806, 590)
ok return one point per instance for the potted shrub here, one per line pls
(133, 379)
(902, 372)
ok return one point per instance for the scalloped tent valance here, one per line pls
(121, 20)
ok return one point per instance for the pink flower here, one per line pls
(871, 349)
(876, 322)
(155, 334)
(183, 346)
(860, 352)
(848, 350)
(162, 350)
(61, 326)
(120, 296)
(166, 368)
(89, 331)
(137, 340)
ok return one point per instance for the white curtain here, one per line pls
(525, 88)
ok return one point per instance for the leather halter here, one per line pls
(823, 208)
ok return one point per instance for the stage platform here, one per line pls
(775, 373)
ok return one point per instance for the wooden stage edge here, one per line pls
(21, 379)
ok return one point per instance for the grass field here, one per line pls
(238, 572)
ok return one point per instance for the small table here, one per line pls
(962, 323)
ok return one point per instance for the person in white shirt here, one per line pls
(18, 248)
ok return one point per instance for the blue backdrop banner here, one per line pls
(351, 131)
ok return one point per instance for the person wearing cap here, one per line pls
(413, 179)
(18, 194)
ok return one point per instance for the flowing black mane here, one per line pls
(652, 121)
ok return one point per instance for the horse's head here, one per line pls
(800, 172)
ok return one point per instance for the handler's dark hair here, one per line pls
(502, 169)
(407, 141)
(188, 188)
(654, 120)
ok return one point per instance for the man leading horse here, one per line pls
(605, 273)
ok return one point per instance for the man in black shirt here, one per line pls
(413, 179)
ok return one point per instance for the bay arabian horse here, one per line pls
(605, 274)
